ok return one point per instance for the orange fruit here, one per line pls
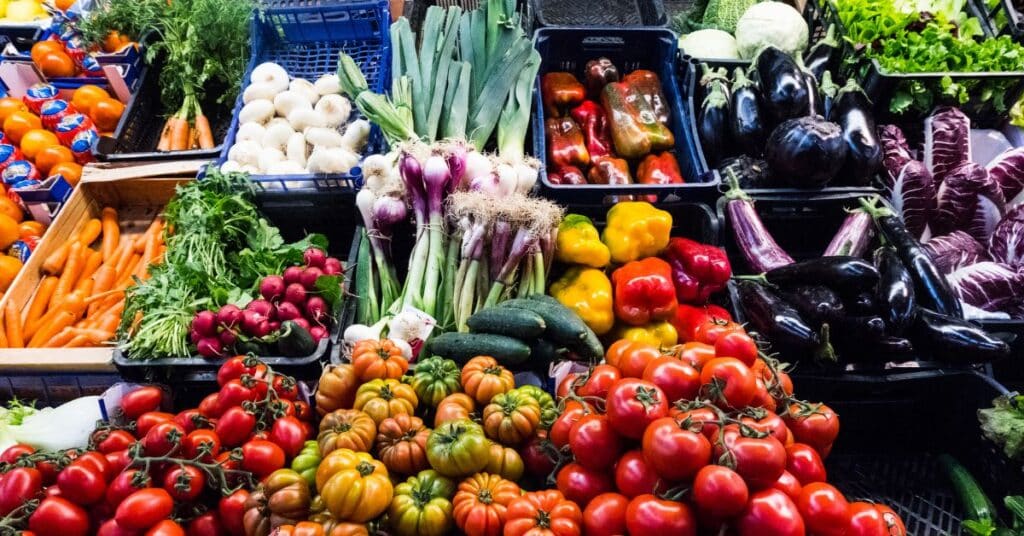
(31, 228)
(35, 140)
(51, 156)
(18, 123)
(42, 48)
(63, 5)
(115, 41)
(11, 209)
(9, 105)
(71, 171)
(56, 64)
(9, 231)
(9, 268)
(106, 113)
(84, 97)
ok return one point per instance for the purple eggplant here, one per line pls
(854, 235)
(825, 55)
(747, 121)
(774, 318)
(782, 84)
(753, 239)
(844, 274)
(713, 123)
(806, 152)
(895, 289)
(852, 112)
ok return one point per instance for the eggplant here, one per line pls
(845, 274)
(858, 328)
(783, 84)
(713, 123)
(853, 236)
(862, 303)
(750, 171)
(931, 289)
(746, 124)
(815, 106)
(774, 318)
(895, 289)
(852, 112)
(950, 339)
(756, 244)
(828, 91)
(806, 152)
(817, 303)
(825, 55)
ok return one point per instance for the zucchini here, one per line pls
(518, 323)
(564, 327)
(976, 505)
(295, 341)
(461, 347)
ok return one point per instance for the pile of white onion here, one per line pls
(295, 127)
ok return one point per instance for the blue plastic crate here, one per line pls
(569, 49)
(306, 42)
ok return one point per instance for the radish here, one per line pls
(314, 257)
(229, 316)
(209, 347)
(332, 266)
(272, 287)
(291, 274)
(228, 337)
(301, 322)
(316, 309)
(205, 322)
(295, 293)
(272, 327)
(309, 277)
(194, 336)
(262, 307)
(288, 311)
(251, 322)
(318, 333)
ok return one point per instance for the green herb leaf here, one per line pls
(329, 288)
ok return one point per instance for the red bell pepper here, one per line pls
(594, 123)
(636, 132)
(566, 175)
(659, 169)
(565, 143)
(690, 317)
(599, 73)
(609, 170)
(560, 91)
(644, 291)
(698, 270)
(649, 86)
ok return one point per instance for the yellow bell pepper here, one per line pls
(661, 334)
(588, 292)
(636, 230)
(578, 242)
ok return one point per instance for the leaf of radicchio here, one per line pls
(954, 251)
(947, 141)
(991, 286)
(1007, 242)
(913, 196)
(1007, 170)
(895, 151)
(968, 200)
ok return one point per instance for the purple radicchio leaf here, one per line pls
(947, 141)
(895, 151)
(1007, 170)
(968, 200)
(1007, 242)
(991, 286)
(913, 196)
(954, 251)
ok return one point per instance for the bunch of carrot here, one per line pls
(79, 301)
(179, 134)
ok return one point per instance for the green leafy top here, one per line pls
(1003, 424)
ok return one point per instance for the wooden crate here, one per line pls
(138, 201)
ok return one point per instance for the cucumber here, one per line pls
(295, 341)
(976, 505)
(564, 327)
(461, 347)
(545, 298)
(518, 323)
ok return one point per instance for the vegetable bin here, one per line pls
(612, 13)
(306, 42)
(569, 49)
(1004, 18)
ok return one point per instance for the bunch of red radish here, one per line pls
(291, 296)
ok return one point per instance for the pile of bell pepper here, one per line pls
(633, 280)
(608, 129)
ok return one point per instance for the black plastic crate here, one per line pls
(609, 13)
(295, 219)
(55, 388)
(568, 49)
(1003, 18)
(138, 132)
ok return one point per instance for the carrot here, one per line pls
(64, 318)
(77, 342)
(102, 281)
(95, 336)
(205, 133)
(55, 262)
(60, 339)
(39, 302)
(110, 318)
(90, 232)
(71, 303)
(12, 325)
(93, 260)
(139, 242)
(111, 232)
(125, 278)
(179, 134)
(85, 286)
(152, 246)
(165, 135)
(69, 275)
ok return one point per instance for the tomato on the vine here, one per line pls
(162, 439)
(185, 483)
(57, 516)
(262, 457)
(676, 378)
(124, 484)
(695, 353)
(198, 440)
(234, 393)
(593, 442)
(230, 511)
(766, 421)
(235, 367)
(535, 458)
(117, 460)
(770, 512)
(235, 426)
(788, 484)
(759, 460)
(673, 451)
(605, 515)
(813, 424)
(17, 486)
(804, 463)
(141, 400)
(865, 520)
(302, 410)
(634, 476)
(285, 387)
(207, 524)
(739, 345)
(81, 484)
(289, 434)
(893, 522)
(647, 514)
(144, 508)
(728, 382)
(572, 411)
(166, 527)
(565, 385)
(13, 452)
(97, 462)
(148, 420)
(704, 416)
(111, 528)
(712, 329)
(633, 404)
(113, 440)
(580, 484)
(210, 405)
(824, 509)
(598, 380)
(191, 419)
(719, 493)
(633, 359)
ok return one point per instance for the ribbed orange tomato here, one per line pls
(35, 140)
(18, 123)
(50, 156)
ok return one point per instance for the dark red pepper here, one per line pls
(698, 270)
(565, 143)
(566, 175)
(597, 74)
(560, 92)
(659, 169)
(648, 85)
(592, 119)
(643, 291)
(609, 170)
